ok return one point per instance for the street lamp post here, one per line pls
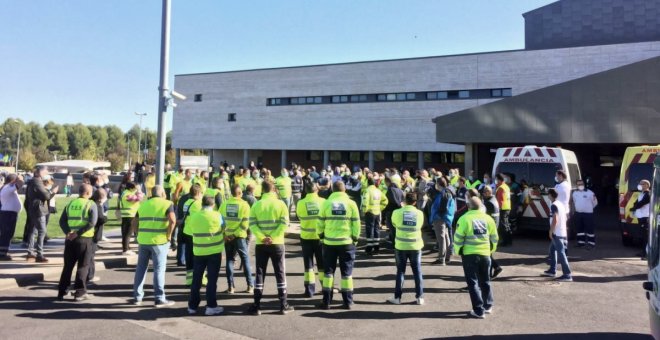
(164, 97)
(140, 134)
(18, 143)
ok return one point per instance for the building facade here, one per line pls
(376, 113)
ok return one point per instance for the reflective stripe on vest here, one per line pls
(152, 222)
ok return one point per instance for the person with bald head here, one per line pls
(77, 222)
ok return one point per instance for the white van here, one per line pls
(536, 167)
(652, 286)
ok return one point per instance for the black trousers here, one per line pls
(345, 255)
(126, 233)
(504, 229)
(312, 251)
(274, 253)
(644, 228)
(78, 251)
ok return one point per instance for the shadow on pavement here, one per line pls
(374, 315)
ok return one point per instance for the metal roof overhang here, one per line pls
(621, 105)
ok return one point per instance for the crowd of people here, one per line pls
(201, 214)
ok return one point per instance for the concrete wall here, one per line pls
(382, 126)
(592, 22)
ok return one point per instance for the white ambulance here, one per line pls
(536, 167)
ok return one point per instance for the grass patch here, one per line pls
(53, 227)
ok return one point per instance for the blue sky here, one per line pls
(96, 62)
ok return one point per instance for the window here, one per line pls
(442, 95)
(363, 97)
(400, 96)
(391, 96)
(294, 101)
(397, 157)
(428, 157)
(410, 96)
(318, 100)
(275, 101)
(431, 95)
(302, 100)
(379, 156)
(463, 94)
(335, 156)
(638, 172)
(335, 99)
(354, 156)
(382, 97)
(411, 157)
(198, 97)
(231, 117)
(496, 93)
(506, 93)
(315, 155)
(309, 100)
(355, 98)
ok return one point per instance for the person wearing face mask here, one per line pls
(472, 182)
(584, 202)
(563, 189)
(296, 190)
(641, 210)
(336, 175)
(487, 182)
(283, 185)
(503, 196)
(99, 197)
(453, 177)
(354, 188)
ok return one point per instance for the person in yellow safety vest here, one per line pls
(149, 182)
(283, 185)
(191, 205)
(373, 203)
(269, 220)
(453, 177)
(77, 222)
(154, 224)
(363, 179)
(183, 186)
(129, 202)
(215, 191)
(236, 213)
(169, 182)
(308, 210)
(503, 196)
(476, 240)
(202, 180)
(472, 181)
(408, 245)
(339, 228)
(245, 181)
(208, 234)
(257, 186)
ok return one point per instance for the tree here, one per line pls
(100, 136)
(117, 161)
(81, 142)
(27, 161)
(39, 136)
(58, 138)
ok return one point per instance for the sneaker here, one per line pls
(165, 303)
(489, 310)
(496, 272)
(5, 257)
(192, 311)
(420, 301)
(135, 302)
(128, 253)
(565, 278)
(335, 291)
(286, 310)
(30, 258)
(212, 311)
(439, 262)
(83, 297)
(95, 279)
(42, 260)
(60, 297)
(475, 315)
(548, 273)
(253, 310)
(229, 290)
(323, 305)
(250, 290)
(394, 301)
(105, 239)
(347, 306)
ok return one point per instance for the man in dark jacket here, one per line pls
(36, 198)
(394, 198)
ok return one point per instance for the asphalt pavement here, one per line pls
(606, 301)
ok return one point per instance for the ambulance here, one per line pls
(652, 286)
(637, 165)
(537, 167)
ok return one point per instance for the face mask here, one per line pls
(581, 187)
(354, 176)
(471, 178)
(507, 180)
(556, 179)
(486, 180)
(285, 174)
(640, 188)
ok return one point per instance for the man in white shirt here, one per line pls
(584, 202)
(563, 189)
(10, 206)
(559, 239)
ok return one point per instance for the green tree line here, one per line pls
(43, 143)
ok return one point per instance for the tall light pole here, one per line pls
(164, 98)
(140, 134)
(18, 143)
